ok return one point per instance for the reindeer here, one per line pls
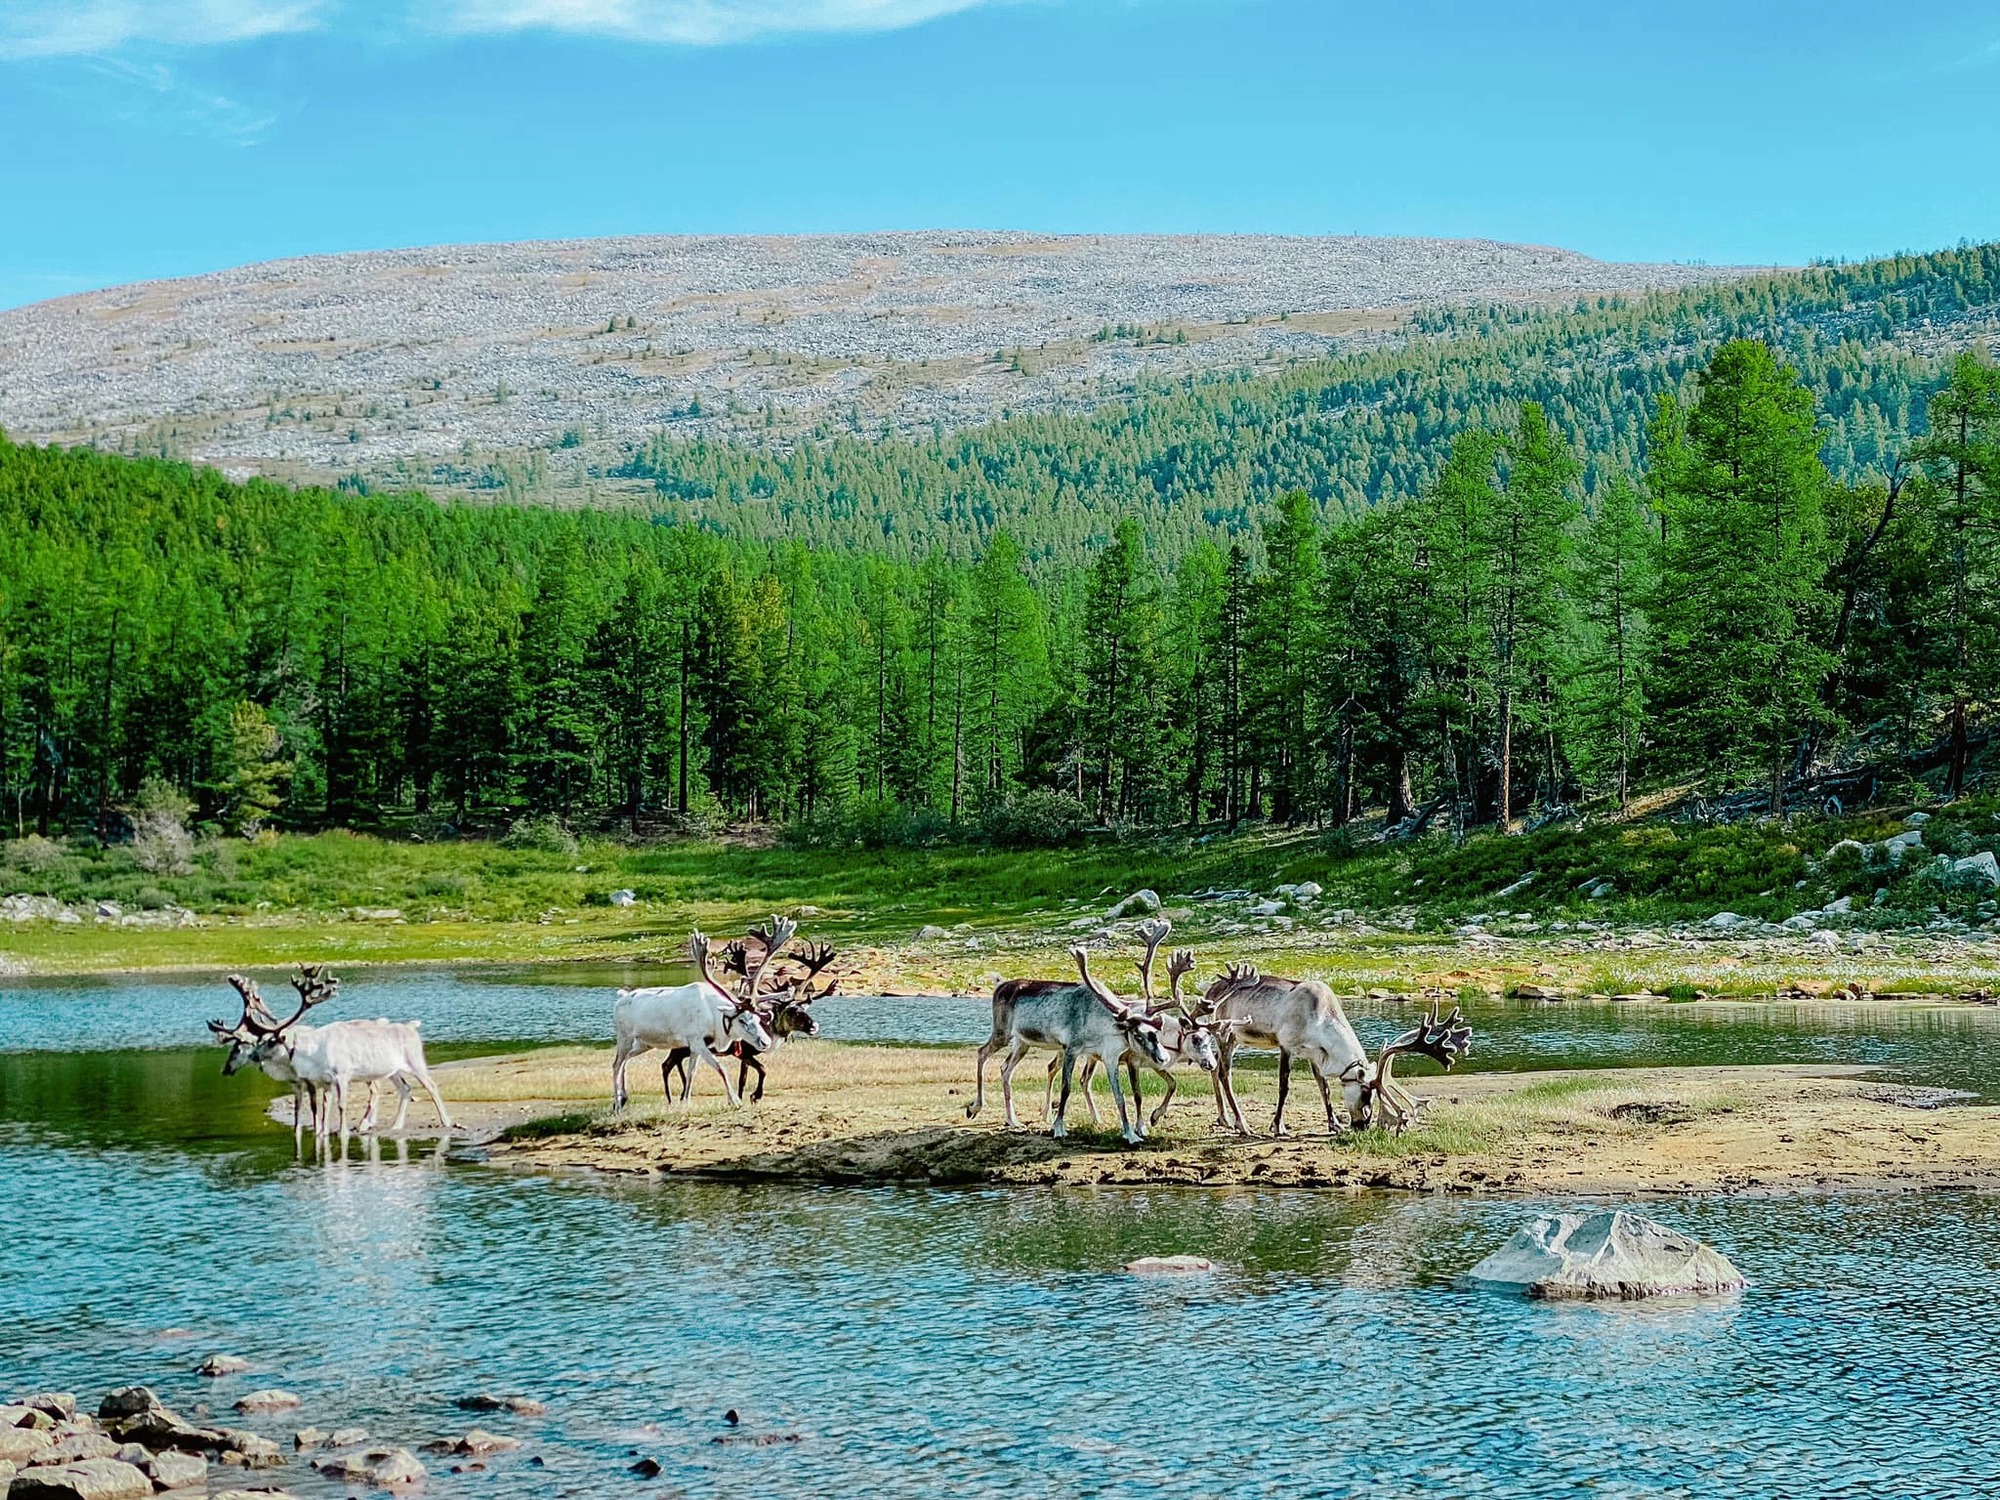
(1084, 1020)
(1184, 1035)
(1302, 1018)
(255, 1025)
(785, 1015)
(696, 1016)
(333, 1058)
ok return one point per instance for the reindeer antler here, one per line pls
(1109, 1001)
(315, 986)
(1443, 1041)
(256, 1018)
(735, 958)
(1180, 964)
(781, 931)
(1152, 932)
(817, 956)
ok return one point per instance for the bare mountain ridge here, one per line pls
(413, 366)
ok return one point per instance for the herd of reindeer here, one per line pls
(763, 995)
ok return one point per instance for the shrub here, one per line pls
(872, 825)
(547, 833)
(161, 842)
(36, 855)
(1032, 820)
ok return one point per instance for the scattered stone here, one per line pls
(383, 1468)
(1140, 900)
(87, 1479)
(1838, 907)
(520, 1406)
(1264, 909)
(272, 1400)
(174, 1471)
(23, 1415)
(930, 932)
(1893, 849)
(1916, 820)
(1608, 1254)
(1518, 886)
(246, 1450)
(128, 1401)
(624, 898)
(1168, 1265)
(160, 1428)
(307, 1437)
(222, 1364)
(1980, 870)
(1653, 1112)
(60, 1406)
(250, 1495)
(1911, 1096)
(71, 1446)
(24, 1445)
(647, 1468)
(475, 1444)
(1725, 920)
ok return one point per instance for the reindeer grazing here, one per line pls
(1185, 1036)
(331, 1059)
(785, 1015)
(698, 1017)
(1085, 1021)
(1302, 1018)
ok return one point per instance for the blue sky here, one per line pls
(165, 137)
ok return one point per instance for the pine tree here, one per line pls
(1612, 579)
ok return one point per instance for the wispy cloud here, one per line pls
(81, 28)
(692, 22)
(74, 28)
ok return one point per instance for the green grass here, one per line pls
(365, 898)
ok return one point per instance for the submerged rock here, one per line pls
(520, 1406)
(1168, 1265)
(222, 1364)
(128, 1401)
(273, 1400)
(384, 1468)
(1610, 1255)
(87, 1479)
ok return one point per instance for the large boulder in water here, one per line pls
(1610, 1255)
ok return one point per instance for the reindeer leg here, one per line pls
(1049, 1090)
(368, 1114)
(1160, 1113)
(1127, 1124)
(1226, 1080)
(670, 1069)
(1007, 1068)
(704, 1055)
(1325, 1095)
(619, 1057)
(751, 1060)
(1061, 1128)
(979, 1077)
(298, 1118)
(1284, 1087)
(1138, 1102)
(402, 1083)
(1085, 1081)
(437, 1099)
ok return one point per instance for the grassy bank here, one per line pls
(360, 898)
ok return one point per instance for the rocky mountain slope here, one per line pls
(419, 366)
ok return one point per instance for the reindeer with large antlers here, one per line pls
(252, 1027)
(1303, 1019)
(331, 1059)
(785, 1014)
(1084, 1021)
(1185, 1036)
(699, 1017)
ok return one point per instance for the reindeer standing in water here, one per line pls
(1185, 1036)
(1302, 1018)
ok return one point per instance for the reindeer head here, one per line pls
(1374, 1090)
(257, 1032)
(1142, 1029)
(790, 1015)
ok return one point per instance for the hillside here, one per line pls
(418, 367)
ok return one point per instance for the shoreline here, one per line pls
(857, 1114)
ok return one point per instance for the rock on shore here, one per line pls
(1609, 1256)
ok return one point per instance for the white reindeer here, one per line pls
(1082, 1019)
(1185, 1036)
(335, 1058)
(697, 1017)
(1302, 1018)
(253, 1027)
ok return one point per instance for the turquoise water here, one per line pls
(922, 1343)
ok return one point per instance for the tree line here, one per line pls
(1507, 636)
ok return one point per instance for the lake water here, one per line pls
(912, 1342)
